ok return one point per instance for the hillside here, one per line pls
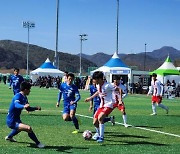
(13, 54)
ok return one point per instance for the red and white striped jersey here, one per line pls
(124, 91)
(156, 88)
(105, 94)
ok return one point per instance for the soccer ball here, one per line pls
(87, 135)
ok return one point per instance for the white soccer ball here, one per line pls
(87, 135)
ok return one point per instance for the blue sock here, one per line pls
(33, 137)
(13, 133)
(106, 119)
(75, 122)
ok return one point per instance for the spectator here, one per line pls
(4, 79)
(173, 84)
(168, 83)
(178, 90)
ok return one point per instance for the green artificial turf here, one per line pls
(56, 134)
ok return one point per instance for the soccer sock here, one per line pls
(97, 130)
(33, 137)
(154, 108)
(101, 130)
(162, 106)
(75, 122)
(106, 119)
(124, 116)
(13, 133)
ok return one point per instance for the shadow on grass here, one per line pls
(4, 112)
(117, 135)
(135, 143)
(60, 148)
(125, 135)
(173, 115)
(41, 115)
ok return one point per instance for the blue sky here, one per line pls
(155, 22)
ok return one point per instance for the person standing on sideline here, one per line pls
(71, 96)
(20, 102)
(104, 90)
(15, 81)
(117, 83)
(64, 79)
(157, 89)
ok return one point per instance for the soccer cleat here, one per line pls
(153, 114)
(95, 136)
(112, 119)
(100, 140)
(10, 139)
(40, 145)
(75, 131)
(126, 125)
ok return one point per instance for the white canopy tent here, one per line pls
(47, 68)
(114, 67)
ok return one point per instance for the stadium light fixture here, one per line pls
(28, 25)
(82, 38)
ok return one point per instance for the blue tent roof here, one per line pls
(47, 64)
(115, 61)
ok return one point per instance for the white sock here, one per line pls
(162, 106)
(97, 130)
(101, 130)
(154, 108)
(124, 118)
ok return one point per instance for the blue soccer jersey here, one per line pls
(16, 106)
(96, 99)
(70, 93)
(15, 81)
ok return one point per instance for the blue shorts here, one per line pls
(13, 125)
(69, 107)
(96, 106)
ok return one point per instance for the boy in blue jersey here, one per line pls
(96, 100)
(20, 102)
(15, 81)
(70, 98)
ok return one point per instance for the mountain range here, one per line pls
(152, 59)
(13, 54)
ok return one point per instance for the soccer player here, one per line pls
(120, 105)
(15, 81)
(20, 102)
(71, 96)
(96, 101)
(157, 89)
(106, 107)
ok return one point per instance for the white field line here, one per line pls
(147, 129)
(151, 130)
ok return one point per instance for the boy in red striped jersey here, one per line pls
(117, 95)
(104, 90)
(157, 89)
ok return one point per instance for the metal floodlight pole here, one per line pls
(117, 28)
(145, 57)
(28, 25)
(82, 38)
(57, 27)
